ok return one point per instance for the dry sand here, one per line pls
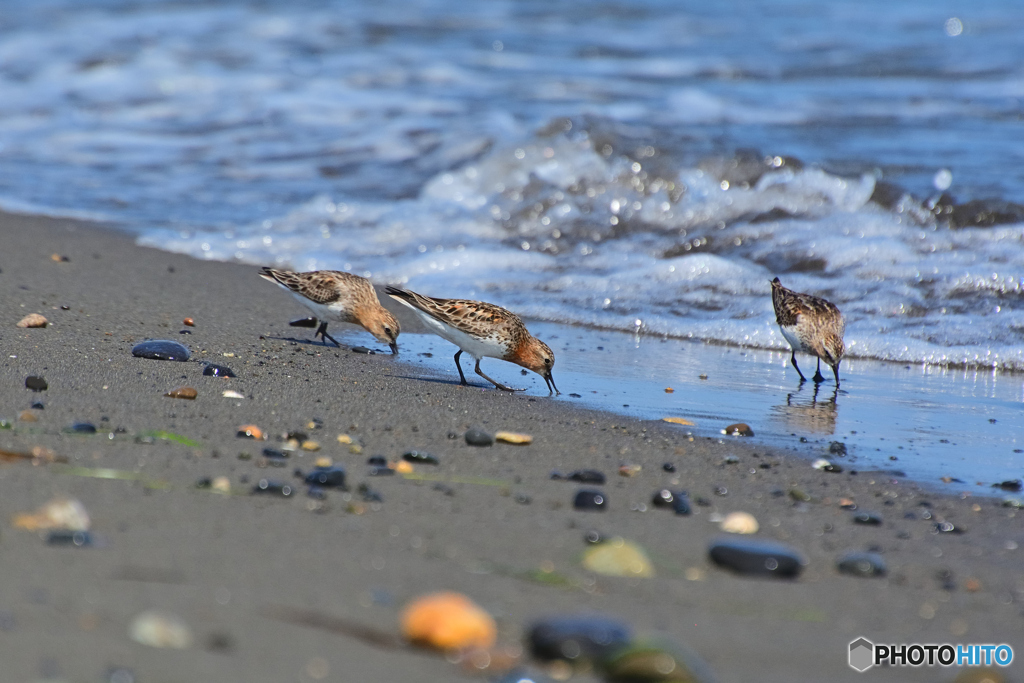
(229, 565)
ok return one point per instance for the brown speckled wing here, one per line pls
(319, 286)
(789, 305)
(473, 317)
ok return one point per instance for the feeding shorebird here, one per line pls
(810, 325)
(481, 330)
(341, 297)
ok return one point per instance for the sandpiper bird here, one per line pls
(481, 330)
(810, 325)
(341, 297)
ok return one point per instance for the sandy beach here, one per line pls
(263, 581)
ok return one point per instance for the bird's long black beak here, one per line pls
(835, 371)
(394, 348)
(551, 385)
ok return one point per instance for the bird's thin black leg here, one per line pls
(497, 384)
(322, 333)
(818, 377)
(459, 366)
(792, 359)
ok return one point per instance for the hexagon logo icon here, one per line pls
(862, 654)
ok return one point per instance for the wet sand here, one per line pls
(233, 566)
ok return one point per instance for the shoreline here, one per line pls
(220, 562)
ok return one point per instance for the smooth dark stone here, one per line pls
(577, 637)
(362, 349)
(421, 457)
(298, 436)
(35, 383)
(869, 518)
(478, 437)
(82, 428)
(668, 467)
(587, 477)
(756, 557)
(594, 536)
(377, 461)
(1011, 485)
(948, 528)
(161, 349)
(67, 537)
(381, 471)
(328, 477)
(586, 499)
(274, 454)
(837, 448)
(861, 564)
(304, 322)
(677, 500)
(212, 370)
(204, 483)
(38, 405)
(277, 488)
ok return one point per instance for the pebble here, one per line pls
(738, 429)
(33, 320)
(421, 458)
(231, 393)
(189, 322)
(333, 477)
(448, 621)
(68, 537)
(861, 564)
(36, 383)
(1011, 485)
(183, 392)
(161, 349)
(629, 470)
(221, 484)
(618, 557)
(677, 500)
(377, 461)
(82, 428)
(1013, 502)
(948, 528)
(273, 487)
(160, 629)
(311, 446)
(868, 518)
(826, 466)
(586, 477)
(586, 499)
(362, 349)
(478, 437)
(58, 513)
(212, 370)
(37, 405)
(739, 523)
(577, 638)
(756, 557)
(304, 322)
(656, 662)
(837, 448)
(514, 438)
(27, 416)
(249, 432)
(679, 421)
(668, 467)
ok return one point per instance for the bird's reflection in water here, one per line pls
(809, 410)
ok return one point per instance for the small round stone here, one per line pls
(161, 349)
(478, 437)
(587, 499)
(861, 564)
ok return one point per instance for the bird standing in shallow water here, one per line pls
(341, 297)
(811, 325)
(481, 330)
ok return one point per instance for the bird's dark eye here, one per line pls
(387, 330)
(547, 361)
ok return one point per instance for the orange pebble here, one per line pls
(250, 432)
(402, 467)
(189, 322)
(448, 621)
